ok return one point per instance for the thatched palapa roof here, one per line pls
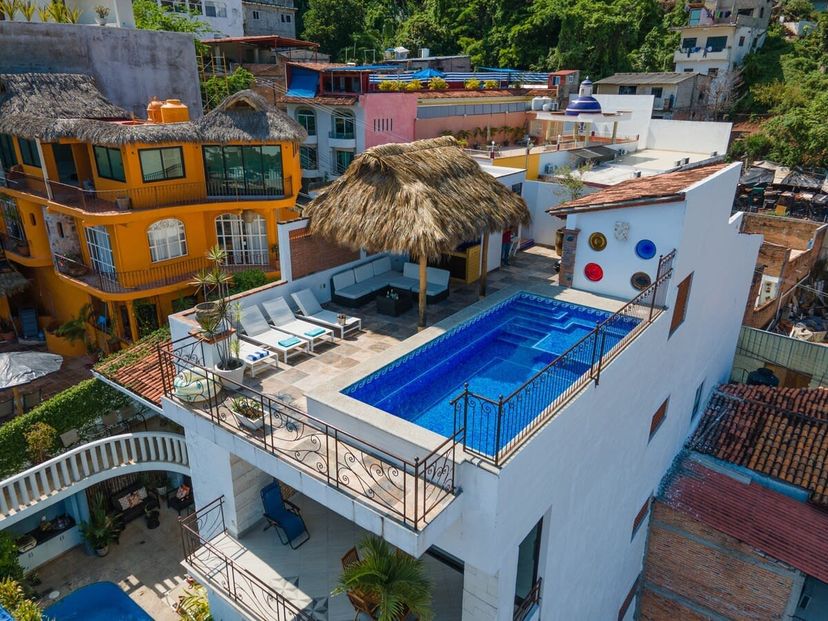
(422, 198)
(50, 106)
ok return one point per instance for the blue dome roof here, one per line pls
(584, 102)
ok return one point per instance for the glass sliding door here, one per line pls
(243, 238)
(244, 170)
(100, 249)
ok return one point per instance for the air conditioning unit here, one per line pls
(636, 174)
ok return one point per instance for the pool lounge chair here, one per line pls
(257, 358)
(313, 312)
(259, 332)
(283, 319)
(284, 516)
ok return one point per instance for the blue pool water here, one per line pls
(495, 352)
(102, 601)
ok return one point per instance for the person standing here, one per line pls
(506, 245)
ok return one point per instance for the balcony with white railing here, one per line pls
(86, 465)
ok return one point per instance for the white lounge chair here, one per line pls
(313, 312)
(283, 319)
(259, 332)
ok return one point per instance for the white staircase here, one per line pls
(86, 465)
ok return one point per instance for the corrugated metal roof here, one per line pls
(647, 78)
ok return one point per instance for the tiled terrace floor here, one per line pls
(145, 564)
(291, 382)
(306, 576)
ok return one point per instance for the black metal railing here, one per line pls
(148, 196)
(120, 281)
(408, 491)
(199, 531)
(530, 602)
(495, 428)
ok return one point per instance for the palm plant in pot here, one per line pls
(102, 529)
(392, 583)
(248, 412)
(219, 317)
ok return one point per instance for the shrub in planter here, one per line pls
(248, 412)
(102, 529)
(13, 599)
(414, 85)
(40, 442)
(9, 560)
(490, 84)
(472, 85)
(437, 84)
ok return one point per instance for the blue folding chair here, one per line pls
(284, 516)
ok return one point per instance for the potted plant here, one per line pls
(102, 13)
(393, 582)
(248, 412)
(102, 529)
(218, 323)
(151, 515)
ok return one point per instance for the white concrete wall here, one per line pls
(641, 107)
(539, 197)
(593, 466)
(689, 136)
(659, 223)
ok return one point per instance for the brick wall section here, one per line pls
(570, 241)
(755, 285)
(788, 232)
(696, 569)
(309, 254)
(773, 257)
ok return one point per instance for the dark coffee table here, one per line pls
(392, 307)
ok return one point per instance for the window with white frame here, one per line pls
(100, 249)
(343, 125)
(243, 238)
(307, 119)
(167, 239)
(215, 9)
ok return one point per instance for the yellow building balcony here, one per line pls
(151, 196)
(156, 278)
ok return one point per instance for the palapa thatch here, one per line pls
(423, 198)
(247, 116)
(51, 106)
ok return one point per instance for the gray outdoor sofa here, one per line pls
(356, 286)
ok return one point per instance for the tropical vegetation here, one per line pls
(13, 599)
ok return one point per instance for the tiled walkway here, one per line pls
(145, 564)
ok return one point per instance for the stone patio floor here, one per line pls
(146, 564)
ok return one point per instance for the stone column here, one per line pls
(570, 241)
(489, 597)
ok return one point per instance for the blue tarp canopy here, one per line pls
(303, 82)
(427, 74)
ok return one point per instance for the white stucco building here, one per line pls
(545, 522)
(719, 35)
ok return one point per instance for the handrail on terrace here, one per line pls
(240, 585)
(411, 492)
(495, 429)
(156, 194)
(160, 275)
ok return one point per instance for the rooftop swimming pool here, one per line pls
(101, 601)
(496, 352)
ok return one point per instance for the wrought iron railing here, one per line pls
(410, 492)
(171, 273)
(530, 602)
(495, 428)
(241, 586)
(148, 196)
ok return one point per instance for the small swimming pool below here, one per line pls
(495, 352)
(101, 601)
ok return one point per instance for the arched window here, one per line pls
(307, 119)
(244, 238)
(167, 239)
(343, 124)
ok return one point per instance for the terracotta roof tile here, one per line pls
(138, 369)
(780, 526)
(644, 189)
(320, 99)
(780, 432)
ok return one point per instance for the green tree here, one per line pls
(151, 16)
(333, 24)
(216, 88)
(796, 10)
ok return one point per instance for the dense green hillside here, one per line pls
(599, 37)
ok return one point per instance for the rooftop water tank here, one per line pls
(173, 111)
(154, 110)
